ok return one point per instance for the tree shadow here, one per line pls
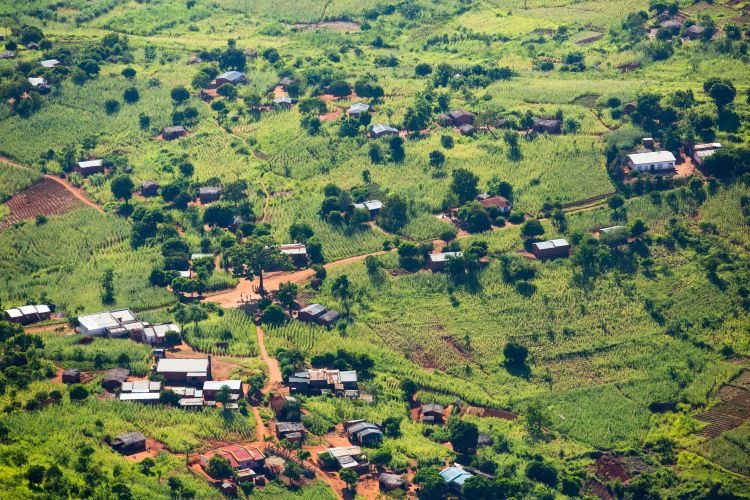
(520, 371)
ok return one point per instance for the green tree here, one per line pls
(287, 294)
(122, 187)
(463, 435)
(78, 392)
(219, 467)
(251, 258)
(394, 213)
(464, 185)
(349, 477)
(196, 314)
(273, 315)
(479, 488)
(342, 290)
(431, 484)
(108, 287)
(180, 95)
(532, 228)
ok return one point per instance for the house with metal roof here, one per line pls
(649, 162)
(174, 132)
(28, 314)
(328, 318)
(187, 370)
(129, 443)
(551, 249)
(297, 252)
(241, 457)
(231, 78)
(106, 322)
(89, 167)
(140, 397)
(291, 431)
(372, 206)
(380, 129)
(348, 457)
(50, 63)
(157, 334)
(311, 313)
(283, 102)
(209, 194)
(364, 433)
(432, 413)
(455, 477)
(356, 110)
(438, 261)
(140, 386)
(212, 387)
(703, 151)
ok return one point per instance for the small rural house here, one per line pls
(106, 323)
(291, 431)
(348, 457)
(438, 261)
(50, 63)
(467, 130)
(171, 133)
(379, 130)
(212, 387)
(297, 252)
(7, 54)
(311, 313)
(71, 376)
(671, 24)
(695, 31)
(114, 378)
(317, 381)
(189, 371)
(356, 110)
(703, 151)
(551, 249)
(209, 194)
(127, 444)
(455, 477)
(372, 206)
(457, 118)
(546, 125)
(432, 413)
(157, 334)
(648, 142)
(32, 46)
(231, 78)
(500, 202)
(389, 482)
(141, 391)
(28, 314)
(364, 433)
(649, 162)
(240, 457)
(86, 168)
(149, 188)
(328, 318)
(284, 102)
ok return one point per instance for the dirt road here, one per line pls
(77, 192)
(274, 372)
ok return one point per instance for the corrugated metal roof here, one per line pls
(652, 157)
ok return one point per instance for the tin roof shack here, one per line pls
(50, 63)
(7, 54)
(311, 313)
(157, 334)
(209, 194)
(648, 142)
(372, 206)
(149, 189)
(241, 457)
(281, 404)
(348, 457)
(105, 323)
(432, 413)
(71, 376)
(230, 78)
(212, 387)
(703, 151)
(284, 102)
(297, 252)
(28, 314)
(356, 110)
(547, 125)
(140, 397)
(127, 444)
(455, 477)
(322, 380)
(438, 261)
(291, 431)
(172, 133)
(551, 249)
(114, 378)
(649, 162)
(363, 433)
(695, 32)
(140, 387)
(390, 482)
(86, 168)
(189, 371)
(380, 129)
(328, 318)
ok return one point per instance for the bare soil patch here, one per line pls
(153, 447)
(46, 197)
(732, 409)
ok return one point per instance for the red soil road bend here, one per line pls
(77, 192)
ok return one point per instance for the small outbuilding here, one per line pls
(284, 102)
(209, 194)
(328, 318)
(127, 444)
(546, 125)
(372, 206)
(380, 130)
(231, 78)
(432, 413)
(171, 133)
(291, 431)
(71, 376)
(114, 378)
(358, 109)
(7, 54)
(438, 261)
(551, 249)
(467, 130)
(695, 31)
(88, 167)
(311, 313)
(149, 188)
(50, 63)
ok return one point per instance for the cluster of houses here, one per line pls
(459, 118)
(122, 323)
(676, 23)
(317, 313)
(28, 314)
(324, 381)
(247, 461)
